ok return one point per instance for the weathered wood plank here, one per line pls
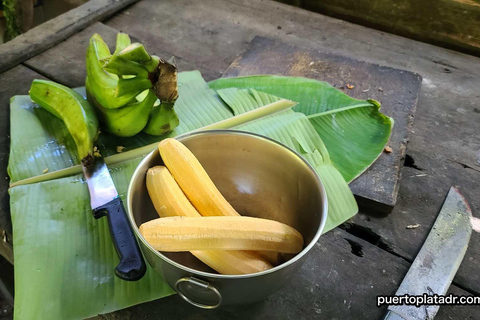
(453, 24)
(65, 62)
(52, 32)
(397, 90)
(422, 193)
(13, 82)
(6, 281)
(334, 283)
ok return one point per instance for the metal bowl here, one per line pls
(260, 178)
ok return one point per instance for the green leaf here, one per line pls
(47, 143)
(38, 141)
(10, 11)
(295, 131)
(354, 136)
(312, 96)
(64, 258)
(354, 131)
(241, 101)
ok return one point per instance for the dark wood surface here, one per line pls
(339, 280)
(445, 145)
(53, 31)
(14, 81)
(452, 24)
(397, 90)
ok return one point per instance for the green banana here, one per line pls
(134, 52)
(134, 85)
(123, 41)
(77, 114)
(118, 66)
(122, 117)
(115, 83)
(152, 65)
(103, 84)
(162, 120)
(126, 121)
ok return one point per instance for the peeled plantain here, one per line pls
(221, 233)
(197, 185)
(77, 114)
(194, 180)
(124, 86)
(170, 201)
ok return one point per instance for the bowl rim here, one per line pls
(297, 257)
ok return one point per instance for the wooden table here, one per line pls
(370, 254)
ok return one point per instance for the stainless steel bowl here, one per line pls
(260, 178)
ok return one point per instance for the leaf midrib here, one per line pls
(355, 106)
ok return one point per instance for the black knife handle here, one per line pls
(131, 266)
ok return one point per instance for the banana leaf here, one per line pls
(64, 259)
(38, 141)
(294, 130)
(48, 145)
(354, 131)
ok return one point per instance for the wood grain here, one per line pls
(13, 82)
(454, 24)
(52, 32)
(376, 189)
(65, 62)
(340, 280)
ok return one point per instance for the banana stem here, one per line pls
(240, 119)
(163, 76)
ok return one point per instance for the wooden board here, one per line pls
(13, 82)
(68, 66)
(340, 279)
(453, 24)
(53, 31)
(376, 189)
(65, 62)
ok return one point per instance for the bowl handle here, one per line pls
(202, 285)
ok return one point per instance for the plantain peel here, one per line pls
(77, 114)
(123, 87)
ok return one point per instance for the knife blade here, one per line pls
(436, 264)
(105, 201)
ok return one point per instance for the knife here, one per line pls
(433, 269)
(105, 201)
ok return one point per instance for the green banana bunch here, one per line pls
(124, 86)
(77, 114)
